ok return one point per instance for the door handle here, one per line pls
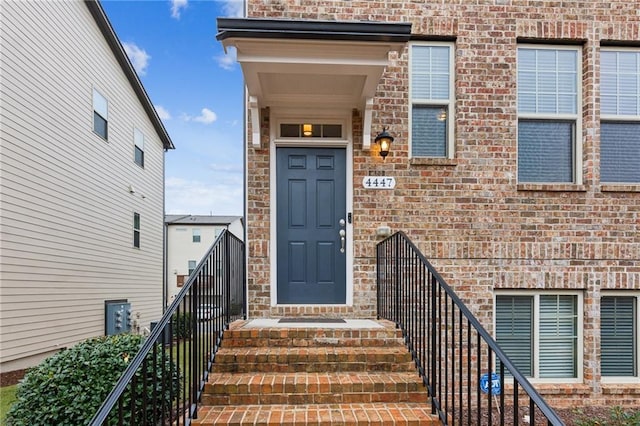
(343, 238)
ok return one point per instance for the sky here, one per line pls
(197, 91)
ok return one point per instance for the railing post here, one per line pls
(397, 278)
(227, 275)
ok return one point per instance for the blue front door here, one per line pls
(311, 213)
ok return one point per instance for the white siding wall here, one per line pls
(66, 214)
(181, 249)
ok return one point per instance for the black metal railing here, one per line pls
(454, 354)
(163, 383)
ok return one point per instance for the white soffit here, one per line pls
(312, 73)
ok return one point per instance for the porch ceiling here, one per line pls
(312, 64)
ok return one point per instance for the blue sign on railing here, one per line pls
(494, 383)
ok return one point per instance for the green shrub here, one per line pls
(617, 417)
(181, 325)
(69, 387)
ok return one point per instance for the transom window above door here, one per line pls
(310, 130)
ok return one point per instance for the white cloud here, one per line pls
(206, 116)
(162, 113)
(218, 197)
(233, 8)
(227, 61)
(138, 57)
(177, 6)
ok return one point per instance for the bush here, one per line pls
(69, 387)
(181, 325)
(617, 417)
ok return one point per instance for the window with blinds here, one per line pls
(539, 333)
(620, 115)
(618, 336)
(548, 114)
(431, 90)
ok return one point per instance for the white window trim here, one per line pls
(450, 103)
(625, 379)
(196, 232)
(577, 117)
(536, 330)
(94, 110)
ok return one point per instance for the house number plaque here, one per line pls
(379, 182)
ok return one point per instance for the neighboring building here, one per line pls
(188, 239)
(82, 189)
(515, 161)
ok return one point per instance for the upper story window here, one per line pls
(191, 264)
(432, 99)
(619, 335)
(620, 115)
(540, 333)
(136, 230)
(100, 114)
(138, 147)
(195, 235)
(549, 114)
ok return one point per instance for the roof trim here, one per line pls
(313, 30)
(116, 47)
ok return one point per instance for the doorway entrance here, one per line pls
(311, 225)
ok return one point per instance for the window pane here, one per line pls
(620, 152)
(429, 131)
(136, 239)
(136, 220)
(430, 72)
(290, 130)
(618, 336)
(100, 104)
(100, 125)
(558, 336)
(620, 82)
(514, 330)
(332, 130)
(196, 236)
(139, 156)
(545, 151)
(547, 81)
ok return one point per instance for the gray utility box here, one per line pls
(117, 317)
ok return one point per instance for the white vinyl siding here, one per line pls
(432, 99)
(620, 116)
(541, 333)
(548, 114)
(65, 225)
(619, 335)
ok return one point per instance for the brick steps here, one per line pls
(314, 376)
(312, 359)
(318, 414)
(316, 388)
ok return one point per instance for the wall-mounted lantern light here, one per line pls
(384, 139)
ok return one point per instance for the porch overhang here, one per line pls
(312, 64)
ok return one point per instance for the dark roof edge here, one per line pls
(116, 47)
(313, 30)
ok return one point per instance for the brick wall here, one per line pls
(479, 227)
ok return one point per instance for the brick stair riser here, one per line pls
(320, 415)
(312, 367)
(319, 398)
(305, 343)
